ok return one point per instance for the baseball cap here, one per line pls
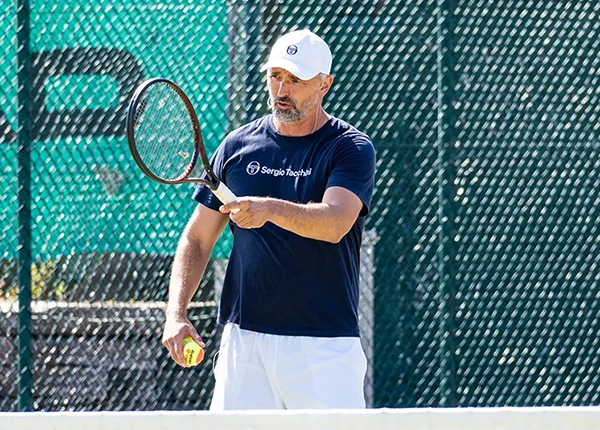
(301, 53)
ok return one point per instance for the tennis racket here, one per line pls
(165, 138)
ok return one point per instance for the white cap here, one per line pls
(302, 53)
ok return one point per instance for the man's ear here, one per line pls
(326, 85)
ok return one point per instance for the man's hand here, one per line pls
(249, 212)
(175, 330)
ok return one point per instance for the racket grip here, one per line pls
(224, 194)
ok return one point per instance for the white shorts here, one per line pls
(265, 371)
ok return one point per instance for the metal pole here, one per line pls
(24, 201)
(255, 87)
(446, 193)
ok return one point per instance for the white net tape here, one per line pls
(546, 418)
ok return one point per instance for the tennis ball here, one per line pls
(192, 352)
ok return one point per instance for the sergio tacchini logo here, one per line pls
(253, 167)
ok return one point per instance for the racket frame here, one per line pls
(212, 181)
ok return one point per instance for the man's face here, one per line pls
(291, 97)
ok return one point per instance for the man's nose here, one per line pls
(282, 91)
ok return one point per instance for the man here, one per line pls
(304, 182)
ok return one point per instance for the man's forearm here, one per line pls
(328, 220)
(189, 265)
(318, 221)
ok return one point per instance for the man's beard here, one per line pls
(294, 114)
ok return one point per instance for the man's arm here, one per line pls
(191, 258)
(329, 220)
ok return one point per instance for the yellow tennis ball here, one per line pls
(192, 352)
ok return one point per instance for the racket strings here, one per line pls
(164, 133)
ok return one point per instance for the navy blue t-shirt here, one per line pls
(278, 282)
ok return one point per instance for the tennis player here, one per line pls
(304, 181)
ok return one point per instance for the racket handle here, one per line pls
(224, 194)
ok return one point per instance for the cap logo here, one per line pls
(292, 49)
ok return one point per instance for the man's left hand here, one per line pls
(248, 212)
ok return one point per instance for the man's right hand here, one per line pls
(177, 328)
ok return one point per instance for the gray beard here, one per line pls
(287, 116)
(292, 115)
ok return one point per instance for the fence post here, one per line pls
(255, 88)
(24, 201)
(446, 193)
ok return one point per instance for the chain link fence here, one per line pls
(480, 275)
